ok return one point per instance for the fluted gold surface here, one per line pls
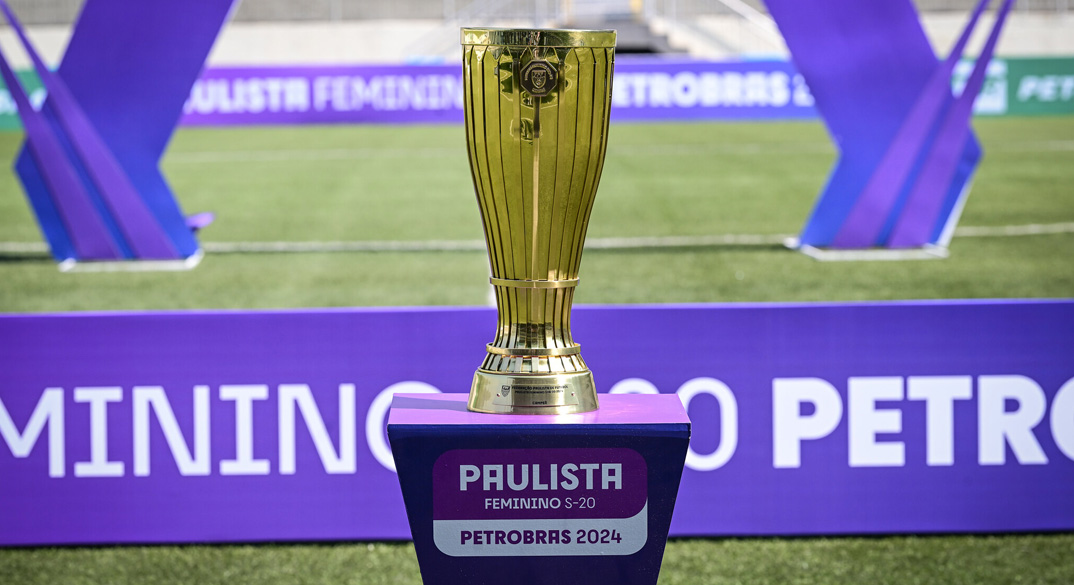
(537, 104)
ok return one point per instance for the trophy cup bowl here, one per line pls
(537, 104)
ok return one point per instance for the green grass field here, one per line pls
(941, 560)
(362, 183)
(350, 183)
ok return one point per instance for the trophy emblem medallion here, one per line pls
(539, 78)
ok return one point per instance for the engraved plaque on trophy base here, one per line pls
(495, 392)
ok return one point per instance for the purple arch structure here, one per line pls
(90, 164)
(907, 152)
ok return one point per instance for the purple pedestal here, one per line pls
(524, 499)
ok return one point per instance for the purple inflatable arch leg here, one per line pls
(112, 107)
(887, 102)
(918, 222)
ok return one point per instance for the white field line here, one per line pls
(1033, 146)
(339, 154)
(591, 243)
(308, 154)
(354, 246)
(1031, 229)
(755, 148)
(685, 241)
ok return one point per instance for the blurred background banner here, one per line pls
(928, 416)
(645, 89)
(312, 95)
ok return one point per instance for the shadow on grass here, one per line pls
(25, 257)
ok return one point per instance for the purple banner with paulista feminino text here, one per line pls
(643, 89)
(807, 419)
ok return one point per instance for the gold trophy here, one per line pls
(537, 104)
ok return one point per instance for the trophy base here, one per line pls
(499, 393)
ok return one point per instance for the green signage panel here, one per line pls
(1023, 86)
(1041, 86)
(9, 118)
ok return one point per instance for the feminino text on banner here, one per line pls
(1011, 412)
(344, 93)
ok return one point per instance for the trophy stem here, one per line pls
(536, 184)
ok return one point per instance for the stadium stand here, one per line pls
(349, 31)
(64, 11)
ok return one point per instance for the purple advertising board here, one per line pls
(643, 89)
(928, 416)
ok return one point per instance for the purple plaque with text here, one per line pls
(515, 483)
(535, 499)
